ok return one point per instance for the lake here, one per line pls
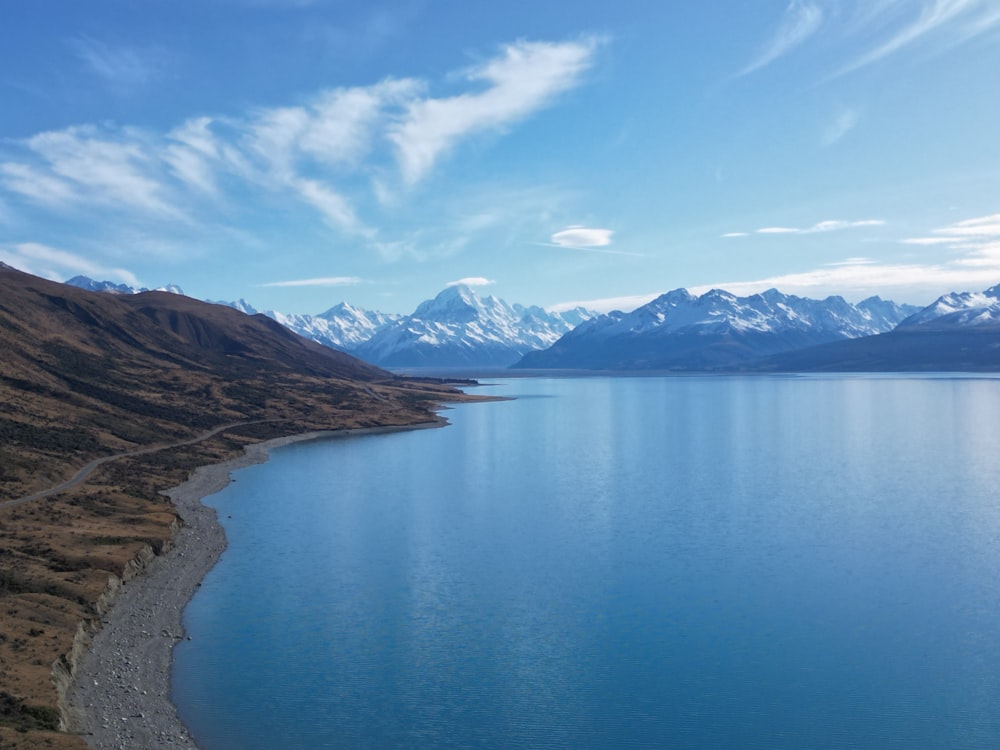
(682, 562)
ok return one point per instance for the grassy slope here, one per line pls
(85, 375)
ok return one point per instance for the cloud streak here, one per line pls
(830, 225)
(526, 77)
(323, 281)
(801, 21)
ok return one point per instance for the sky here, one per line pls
(299, 153)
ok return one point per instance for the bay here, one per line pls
(685, 562)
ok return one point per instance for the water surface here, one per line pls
(688, 562)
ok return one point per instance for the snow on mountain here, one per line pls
(354, 325)
(959, 309)
(679, 330)
(458, 328)
(85, 282)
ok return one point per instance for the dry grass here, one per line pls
(86, 376)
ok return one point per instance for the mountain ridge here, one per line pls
(682, 331)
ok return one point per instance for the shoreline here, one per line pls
(120, 694)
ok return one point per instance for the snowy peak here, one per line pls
(85, 282)
(718, 311)
(458, 328)
(679, 330)
(959, 309)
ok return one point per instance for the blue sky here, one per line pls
(298, 153)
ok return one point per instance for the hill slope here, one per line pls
(85, 375)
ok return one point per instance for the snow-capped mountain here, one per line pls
(85, 282)
(679, 330)
(455, 329)
(458, 328)
(959, 309)
(341, 327)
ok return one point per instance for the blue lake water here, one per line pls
(685, 562)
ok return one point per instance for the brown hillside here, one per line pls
(87, 375)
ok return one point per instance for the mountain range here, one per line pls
(717, 330)
(457, 328)
(678, 331)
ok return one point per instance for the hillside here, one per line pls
(87, 375)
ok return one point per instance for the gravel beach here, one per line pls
(120, 697)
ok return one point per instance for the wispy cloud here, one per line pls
(829, 225)
(334, 154)
(472, 281)
(323, 281)
(801, 20)
(53, 263)
(947, 21)
(121, 67)
(524, 78)
(84, 164)
(843, 123)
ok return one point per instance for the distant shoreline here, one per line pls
(120, 696)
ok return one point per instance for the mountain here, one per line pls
(959, 309)
(717, 330)
(458, 328)
(342, 327)
(455, 329)
(959, 332)
(85, 282)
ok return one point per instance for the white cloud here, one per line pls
(736, 234)
(845, 121)
(192, 152)
(472, 281)
(984, 226)
(834, 225)
(324, 281)
(927, 241)
(333, 153)
(36, 184)
(53, 263)
(801, 21)
(524, 78)
(342, 122)
(335, 208)
(778, 230)
(582, 237)
(113, 168)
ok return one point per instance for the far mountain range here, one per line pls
(678, 331)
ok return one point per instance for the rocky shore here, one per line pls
(120, 697)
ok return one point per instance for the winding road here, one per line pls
(82, 475)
